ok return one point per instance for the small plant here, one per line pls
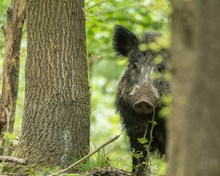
(165, 111)
(31, 171)
(147, 145)
(158, 165)
(45, 171)
(96, 161)
(6, 143)
(48, 170)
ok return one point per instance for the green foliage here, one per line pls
(165, 111)
(159, 165)
(105, 67)
(164, 41)
(49, 170)
(158, 60)
(167, 100)
(96, 161)
(44, 171)
(154, 163)
(9, 136)
(31, 171)
(143, 140)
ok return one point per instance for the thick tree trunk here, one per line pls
(194, 145)
(55, 127)
(13, 35)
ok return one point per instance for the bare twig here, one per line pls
(12, 159)
(150, 141)
(97, 4)
(87, 156)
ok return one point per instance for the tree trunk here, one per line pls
(193, 144)
(55, 127)
(13, 35)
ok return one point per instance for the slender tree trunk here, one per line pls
(55, 127)
(13, 35)
(194, 145)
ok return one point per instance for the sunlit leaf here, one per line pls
(143, 47)
(164, 112)
(158, 60)
(9, 136)
(142, 140)
(167, 99)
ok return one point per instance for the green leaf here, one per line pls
(167, 99)
(165, 112)
(143, 47)
(167, 76)
(158, 60)
(142, 140)
(156, 75)
(31, 170)
(9, 136)
(155, 46)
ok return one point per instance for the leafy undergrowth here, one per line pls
(97, 165)
(100, 165)
(100, 160)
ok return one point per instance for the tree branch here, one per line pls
(108, 171)
(12, 159)
(87, 156)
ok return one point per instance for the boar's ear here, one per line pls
(124, 40)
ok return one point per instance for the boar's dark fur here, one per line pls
(138, 95)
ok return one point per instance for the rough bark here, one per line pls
(55, 127)
(193, 143)
(13, 35)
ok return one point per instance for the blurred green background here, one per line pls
(105, 67)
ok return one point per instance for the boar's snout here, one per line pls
(144, 98)
(143, 107)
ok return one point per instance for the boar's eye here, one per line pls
(135, 65)
(132, 65)
(160, 68)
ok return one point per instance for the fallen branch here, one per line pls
(12, 159)
(108, 171)
(87, 156)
